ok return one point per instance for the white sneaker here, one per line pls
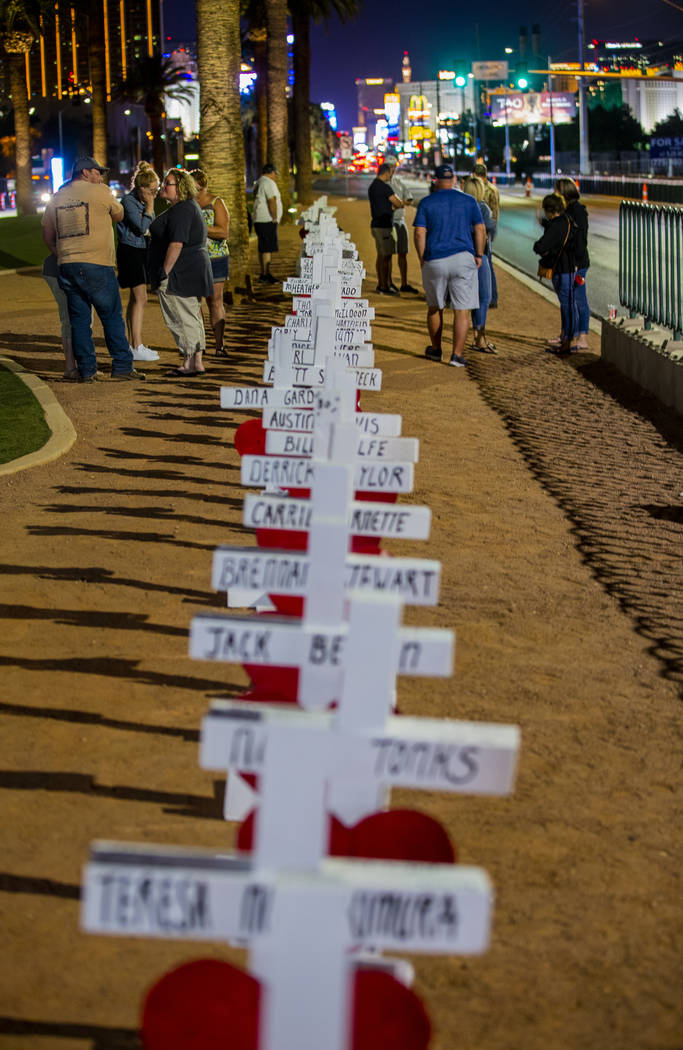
(143, 353)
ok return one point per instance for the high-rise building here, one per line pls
(58, 64)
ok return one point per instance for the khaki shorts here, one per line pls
(401, 237)
(385, 239)
(457, 273)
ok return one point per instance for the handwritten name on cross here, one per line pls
(302, 927)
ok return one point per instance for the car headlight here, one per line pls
(45, 197)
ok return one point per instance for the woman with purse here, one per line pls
(576, 211)
(556, 248)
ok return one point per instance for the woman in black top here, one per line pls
(556, 248)
(180, 270)
(576, 211)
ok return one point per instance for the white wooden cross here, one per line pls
(302, 927)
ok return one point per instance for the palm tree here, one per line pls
(19, 20)
(150, 81)
(278, 137)
(222, 142)
(96, 49)
(258, 37)
(302, 11)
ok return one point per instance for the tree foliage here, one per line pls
(150, 82)
(302, 13)
(614, 130)
(670, 127)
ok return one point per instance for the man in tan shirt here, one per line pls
(77, 227)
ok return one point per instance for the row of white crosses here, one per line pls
(309, 920)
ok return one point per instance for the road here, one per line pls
(519, 227)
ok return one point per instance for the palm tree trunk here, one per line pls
(26, 205)
(99, 84)
(302, 117)
(258, 42)
(222, 141)
(278, 139)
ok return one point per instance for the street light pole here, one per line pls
(552, 123)
(584, 162)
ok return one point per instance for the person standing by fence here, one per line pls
(556, 248)
(576, 211)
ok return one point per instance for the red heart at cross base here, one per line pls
(201, 1005)
(395, 834)
(208, 1003)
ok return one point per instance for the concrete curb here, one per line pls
(63, 434)
(647, 356)
(22, 269)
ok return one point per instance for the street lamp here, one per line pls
(584, 164)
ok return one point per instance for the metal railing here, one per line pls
(659, 190)
(651, 263)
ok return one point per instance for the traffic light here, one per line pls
(522, 76)
(460, 74)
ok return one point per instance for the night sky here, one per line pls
(373, 44)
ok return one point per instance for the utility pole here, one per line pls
(584, 162)
(552, 122)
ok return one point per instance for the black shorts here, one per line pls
(220, 268)
(132, 266)
(266, 233)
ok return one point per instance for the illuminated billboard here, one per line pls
(533, 107)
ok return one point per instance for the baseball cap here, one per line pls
(269, 169)
(444, 171)
(86, 164)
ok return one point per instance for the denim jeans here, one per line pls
(494, 284)
(88, 285)
(484, 276)
(563, 284)
(581, 299)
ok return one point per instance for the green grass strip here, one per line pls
(22, 423)
(22, 242)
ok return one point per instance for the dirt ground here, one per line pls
(555, 487)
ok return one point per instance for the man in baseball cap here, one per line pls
(449, 237)
(87, 164)
(77, 228)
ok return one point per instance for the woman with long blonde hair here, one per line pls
(131, 253)
(473, 185)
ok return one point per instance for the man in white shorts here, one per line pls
(449, 237)
(401, 190)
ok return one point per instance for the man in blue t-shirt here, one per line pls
(450, 237)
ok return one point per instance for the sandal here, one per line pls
(179, 372)
(220, 351)
(486, 348)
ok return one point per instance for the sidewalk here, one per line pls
(555, 493)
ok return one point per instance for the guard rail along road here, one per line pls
(650, 287)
